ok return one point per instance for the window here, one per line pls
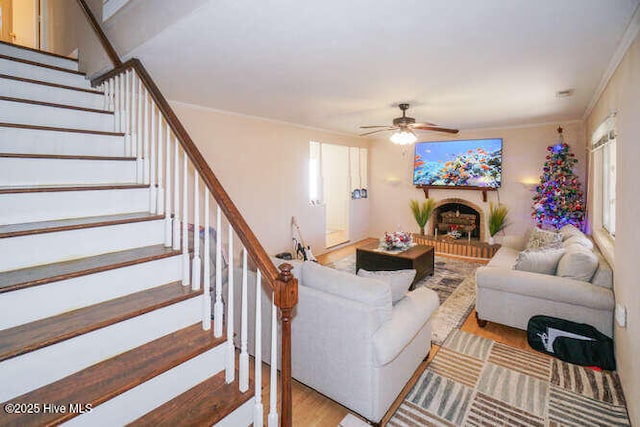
(603, 151)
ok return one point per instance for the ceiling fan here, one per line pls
(405, 127)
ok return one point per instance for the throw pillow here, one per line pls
(569, 231)
(544, 261)
(577, 263)
(542, 238)
(399, 281)
(579, 240)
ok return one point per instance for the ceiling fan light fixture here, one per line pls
(404, 137)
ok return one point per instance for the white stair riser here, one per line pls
(35, 369)
(42, 115)
(29, 171)
(33, 141)
(44, 93)
(241, 416)
(65, 295)
(17, 52)
(142, 399)
(28, 71)
(47, 248)
(17, 208)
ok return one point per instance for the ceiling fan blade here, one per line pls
(371, 127)
(379, 130)
(436, 129)
(423, 124)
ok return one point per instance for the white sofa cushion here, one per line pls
(409, 316)
(398, 281)
(569, 231)
(577, 263)
(543, 261)
(542, 238)
(362, 289)
(578, 239)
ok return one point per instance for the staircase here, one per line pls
(97, 326)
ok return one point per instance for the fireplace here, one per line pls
(460, 214)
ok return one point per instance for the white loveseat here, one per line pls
(348, 341)
(511, 297)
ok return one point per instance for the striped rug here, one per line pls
(474, 381)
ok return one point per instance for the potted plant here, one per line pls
(422, 212)
(497, 219)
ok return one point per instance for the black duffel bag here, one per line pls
(572, 342)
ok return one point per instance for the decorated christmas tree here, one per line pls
(558, 200)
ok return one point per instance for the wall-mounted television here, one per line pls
(475, 163)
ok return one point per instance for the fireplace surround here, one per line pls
(464, 210)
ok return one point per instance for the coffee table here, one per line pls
(418, 257)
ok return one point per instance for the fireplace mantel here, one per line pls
(484, 190)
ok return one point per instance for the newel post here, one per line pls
(286, 297)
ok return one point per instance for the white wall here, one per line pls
(263, 165)
(524, 150)
(623, 95)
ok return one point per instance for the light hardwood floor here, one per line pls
(312, 409)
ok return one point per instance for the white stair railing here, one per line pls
(175, 187)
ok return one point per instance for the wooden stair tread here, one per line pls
(44, 52)
(203, 405)
(39, 64)
(44, 83)
(54, 105)
(65, 157)
(42, 274)
(59, 129)
(67, 187)
(42, 333)
(105, 380)
(23, 229)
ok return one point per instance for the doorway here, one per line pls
(6, 21)
(335, 173)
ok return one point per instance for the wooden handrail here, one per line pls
(106, 44)
(242, 229)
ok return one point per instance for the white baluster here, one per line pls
(257, 374)
(140, 134)
(126, 113)
(244, 352)
(124, 107)
(134, 115)
(105, 89)
(230, 373)
(185, 225)
(116, 104)
(160, 201)
(273, 381)
(168, 239)
(112, 99)
(153, 199)
(145, 134)
(197, 262)
(176, 196)
(206, 302)
(218, 308)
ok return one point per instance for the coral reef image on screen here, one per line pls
(472, 163)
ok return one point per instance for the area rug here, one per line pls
(475, 381)
(453, 280)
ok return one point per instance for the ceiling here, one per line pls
(339, 64)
